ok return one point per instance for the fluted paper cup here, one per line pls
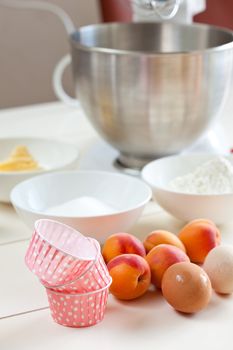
(94, 278)
(58, 254)
(78, 310)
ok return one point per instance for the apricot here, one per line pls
(130, 276)
(199, 237)
(160, 258)
(197, 221)
(122, 243)
(162, 237)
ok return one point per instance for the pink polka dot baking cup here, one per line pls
(96, 277)
(58, 254)
(78, 310)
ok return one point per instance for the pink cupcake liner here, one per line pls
(78, 310)
(96, 277)
(58, 254)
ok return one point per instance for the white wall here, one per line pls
(31, 43)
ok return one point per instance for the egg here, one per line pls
(186, 287)
(219, 267)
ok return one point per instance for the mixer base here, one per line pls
(124, 168)
(102, 156)
(133, 164)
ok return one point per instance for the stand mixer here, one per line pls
(122, 79)
(181, 11)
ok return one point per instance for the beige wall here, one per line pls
(31, 43)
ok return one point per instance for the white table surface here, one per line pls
(25, 322)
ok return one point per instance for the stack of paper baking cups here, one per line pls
(72, 269)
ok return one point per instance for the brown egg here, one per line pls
(186, 287)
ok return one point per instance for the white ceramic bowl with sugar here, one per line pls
(185, 206)
(51, 155)
(96, 203)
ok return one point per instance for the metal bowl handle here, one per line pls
(57, 82)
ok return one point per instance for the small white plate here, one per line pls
(185, 206)
(96, 203)
(51, 155)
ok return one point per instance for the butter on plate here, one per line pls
(19, 160)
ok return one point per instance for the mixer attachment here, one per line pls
(165, 9)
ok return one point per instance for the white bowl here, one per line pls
(50, 154)
(182, 205)
(102, 202)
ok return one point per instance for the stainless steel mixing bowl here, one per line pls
(151, 89)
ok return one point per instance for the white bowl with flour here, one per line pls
(193, 186)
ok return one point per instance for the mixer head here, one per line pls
(166, 9)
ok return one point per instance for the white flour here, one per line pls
(212, 177)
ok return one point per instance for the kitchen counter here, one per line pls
(148, 322)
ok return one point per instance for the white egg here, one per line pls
(219, 267)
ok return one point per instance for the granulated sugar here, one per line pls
(212, 177)
(83, 206)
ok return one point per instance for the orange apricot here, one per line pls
(122, 243)
(199, 237)
(162, 237)
(130, 276)
(160, 258)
